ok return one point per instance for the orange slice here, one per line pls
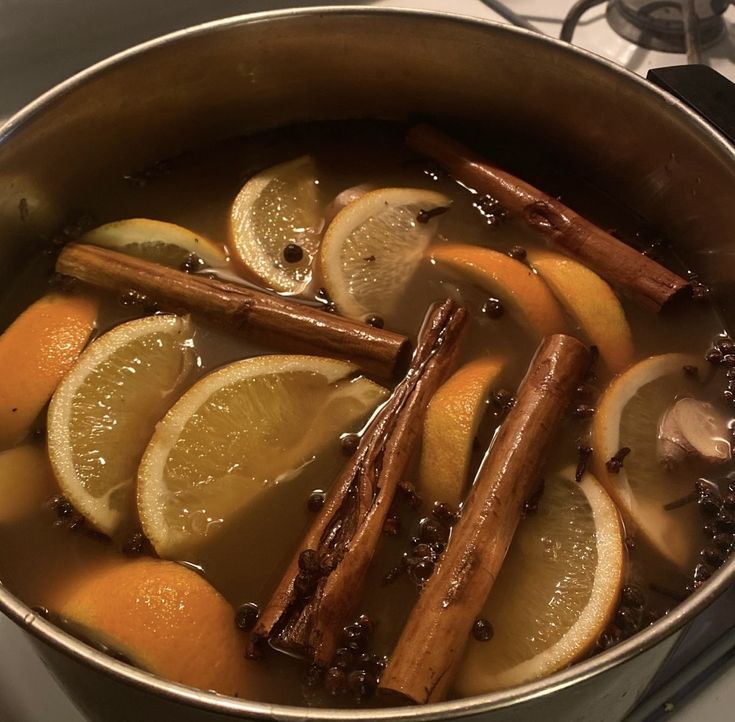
(164, 618)
(519, 289)
(556, 592)
(36, 351)
(628, 415)
(104, 412)
(278, 207)
(452, 419)
(374, 245)
(591, 303)
(26, 482)
(238, 432)
(158, 241)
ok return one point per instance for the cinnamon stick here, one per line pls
(648, 282)
(321, 586)
(287, 324)
(421, 666)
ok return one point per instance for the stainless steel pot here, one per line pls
(238, 75)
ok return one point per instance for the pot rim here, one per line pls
(59, 640)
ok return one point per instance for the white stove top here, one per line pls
(44, 41)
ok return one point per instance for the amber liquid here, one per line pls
(246, 557)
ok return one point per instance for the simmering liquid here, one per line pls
(246, 556)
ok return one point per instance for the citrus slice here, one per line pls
(557, 589)
(590, 302)
(156, 241)
(238, 431)
(452, 420)
(373, 246)
(278, 208)
(104, 411)
(518, 288)
(162, 617)
(26, 482)
(628, 415)
(36, 350)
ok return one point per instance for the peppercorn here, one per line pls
(375, 321)
(493, 308)
(431, 531)
(421, 571)
(316, 500)
(627, 619)
(191, 263)
(482, 630)
(361, 683)
(444, 513)
(708, 504)
(632, 597)
(502, 399)
(335, 681)
(712, 555)
(246, 616)
(293, 253)
(714, 356)
(343, 658)
(690, 370)
(723, 540)
(517, 252)
(724, 521)
(349, 443)
(371, 663)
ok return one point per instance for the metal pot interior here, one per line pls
(236, 76)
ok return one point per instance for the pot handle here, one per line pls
(704, 90)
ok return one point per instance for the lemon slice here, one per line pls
(557, 589)
(591, 303)
(373, 246)
(238, 431)
(628, 415)
(277, 207)
(157, 241)
(519, 289)
(452, 420)
(104, 411)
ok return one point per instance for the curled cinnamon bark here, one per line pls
(317, 594)
(647, 281)
(290, 325)
(421, 666)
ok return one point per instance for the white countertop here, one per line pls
(44, 41)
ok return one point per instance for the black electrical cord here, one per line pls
(574, 16)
